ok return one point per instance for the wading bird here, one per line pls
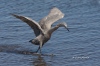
(43, 29)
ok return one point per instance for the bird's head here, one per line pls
(63, 24)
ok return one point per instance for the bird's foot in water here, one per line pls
(36, 53)
(48, 55)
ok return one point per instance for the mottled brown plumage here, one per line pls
(43, 29)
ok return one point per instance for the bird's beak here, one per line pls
(67, 28)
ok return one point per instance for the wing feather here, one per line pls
(54, 15)
(33, 24)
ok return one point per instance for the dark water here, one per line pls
(79, 47)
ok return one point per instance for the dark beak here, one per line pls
(67, 29)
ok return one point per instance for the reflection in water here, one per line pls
(14, 49)
(40, 61)
(8, 48)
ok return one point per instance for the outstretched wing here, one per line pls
(54, 15)
(34, 25)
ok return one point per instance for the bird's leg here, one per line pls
(38, 49)
(40, 46)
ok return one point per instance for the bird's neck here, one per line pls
(53, 29)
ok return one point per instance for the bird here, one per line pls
(43, 29)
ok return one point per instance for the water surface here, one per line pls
(79, 47)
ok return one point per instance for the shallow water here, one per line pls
(79, 47)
